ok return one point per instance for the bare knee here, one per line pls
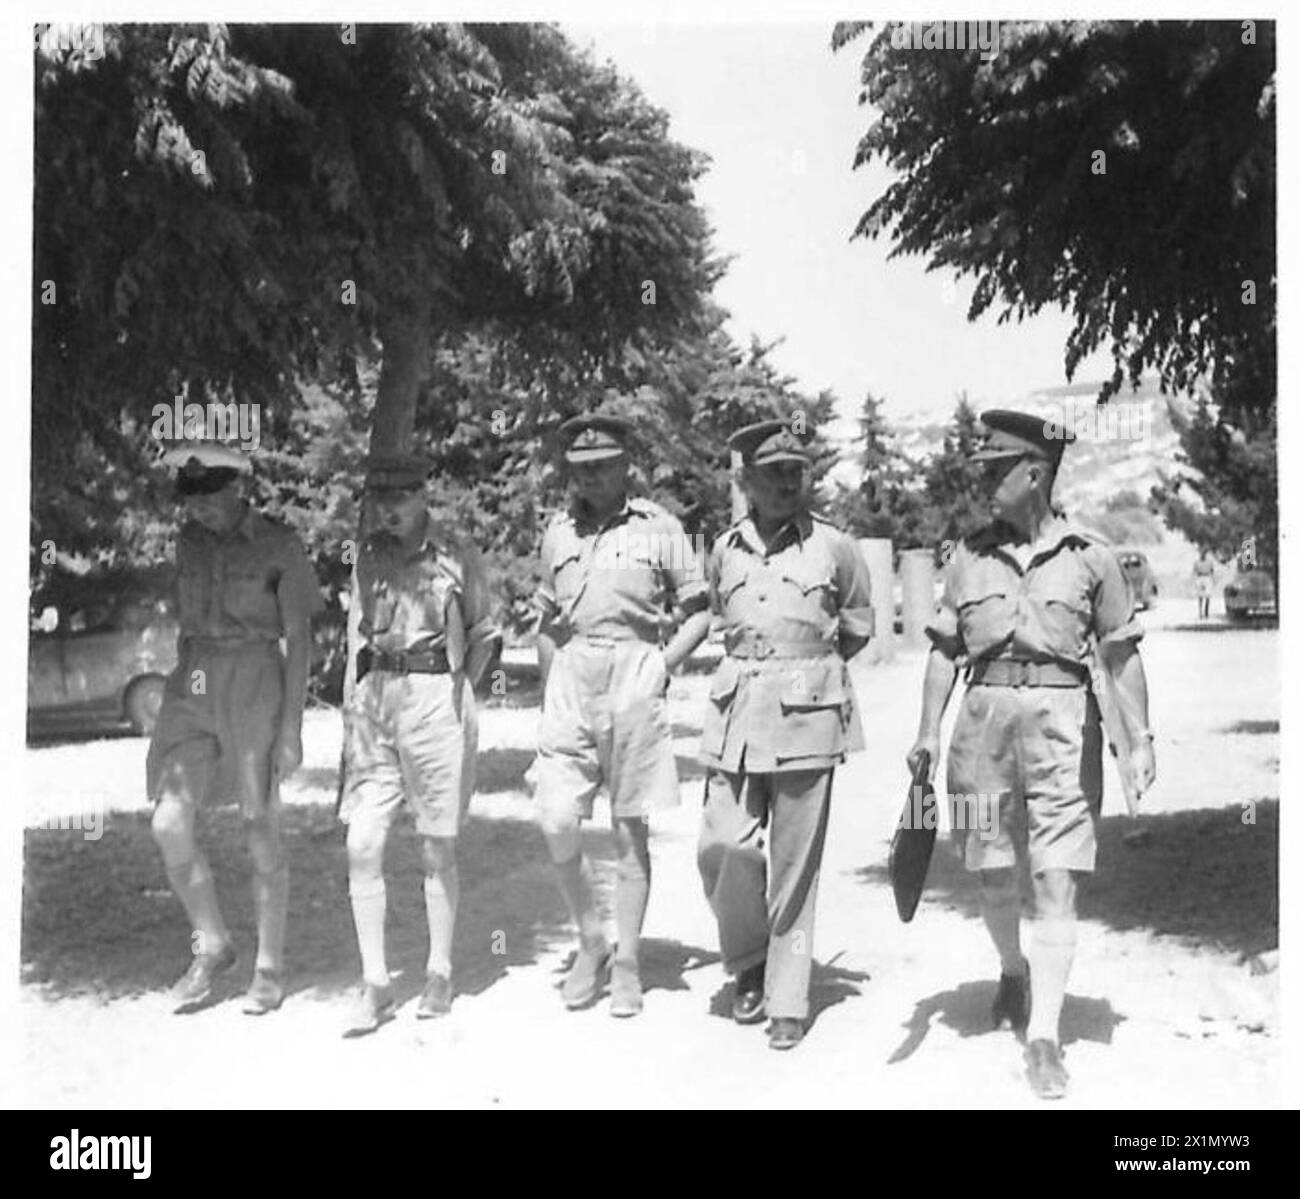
(998, 884)
(563, 841)
(1054, 894)
(366, 840)
(173, 829)
(439, 854)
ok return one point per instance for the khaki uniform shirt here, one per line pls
(253, 584)
(618, 580)
(435, 598)
(782, 699)
(1052, 602)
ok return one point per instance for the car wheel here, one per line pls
(144, 697)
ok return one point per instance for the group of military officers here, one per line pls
(1032, 607)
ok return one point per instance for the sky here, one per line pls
(777, 113)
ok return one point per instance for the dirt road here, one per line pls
(1170, 1005)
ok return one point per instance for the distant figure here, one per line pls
(1203, 572)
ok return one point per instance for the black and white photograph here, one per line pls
(685, 558)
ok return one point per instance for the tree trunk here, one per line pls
(393, 428)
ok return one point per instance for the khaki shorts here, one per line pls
(412, 738)
(1024, 777)
(216, 729)
(604, 721)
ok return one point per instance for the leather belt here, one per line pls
(603, 642)
(1020, 672)
(401, 662)
(757, 647)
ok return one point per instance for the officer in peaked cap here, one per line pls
(1035, 607)
(420, 635)
(230, 722)
(794, 600)
(205, 467)
(1014, 435)
(595, 437)
(622, 604)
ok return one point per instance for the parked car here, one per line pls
(106, 658)
(1250, 593)
(1141, 578)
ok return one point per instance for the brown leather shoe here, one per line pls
(435, 1000)
(749, 1006)
(1047, 1074)
(196, 984)
(372, 1007)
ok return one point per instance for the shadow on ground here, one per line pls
(966, 1009)
(831, 984)
(1203, 876)
(98, 916)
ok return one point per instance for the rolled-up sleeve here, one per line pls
(544, 599)
(480, 618)
(853, 582)
(944, 627)
(297, 591)
(1113, 611)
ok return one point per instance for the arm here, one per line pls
(853, 584)
(687, 577)
(299, 600)
(940, 678)
(693, 630)
(1128, 681)
(482, 634)
(1117, 631)
(946, 648)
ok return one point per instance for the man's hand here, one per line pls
(286, 754)
(926, 743)
(1143, 764)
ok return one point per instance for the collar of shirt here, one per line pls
(999, 538)
(583, 523)
(247, 528)
(797, 528)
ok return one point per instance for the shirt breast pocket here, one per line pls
(1066, 620)
(246, 590)
(985, 620)
(568, 576)
(731, 578)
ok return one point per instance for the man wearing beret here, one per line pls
(1029, 604)
(613, 569)
(420, 637)
(231, 719)
(794, 598)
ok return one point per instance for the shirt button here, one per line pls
(761, 597)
